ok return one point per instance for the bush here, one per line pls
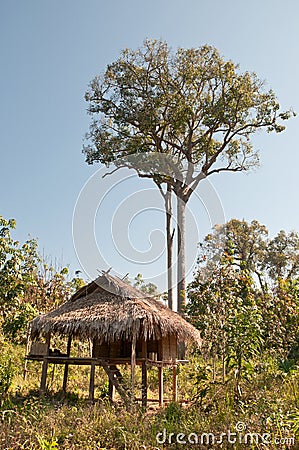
(15, 324)
(6, 374)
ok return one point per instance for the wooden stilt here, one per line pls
(174, 384)
(133, 366)
(65, 375)
(144, 385)
(28, 344)
(43, 381)
(66, 366)
(161, 387)
(144, 375)
(91, 382)
(144, 349)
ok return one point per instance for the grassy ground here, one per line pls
(263, 414)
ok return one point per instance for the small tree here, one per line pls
(18, 269)
(247, 284)
(190, 104)
(222, 306)
(28, 285)
(6, 374)
(280, 310)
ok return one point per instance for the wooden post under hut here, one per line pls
(174, 384)
(66, 366)
(111, 391)
(144, 375)
(91, 382)
(161, 386)
(43, 382)
(133, 365)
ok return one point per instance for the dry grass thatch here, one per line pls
(110, 309)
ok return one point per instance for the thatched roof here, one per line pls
(110, 309)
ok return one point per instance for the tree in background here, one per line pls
(139, 283)
(248, 247)
(28, 285)
(243, 243)
(245, 293)
(189, 104)
(222, 305)
(147, 288)
(18, 271)
(52, 286)
(282, 257)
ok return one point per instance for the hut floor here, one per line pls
(100, 361)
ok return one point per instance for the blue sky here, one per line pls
(51, 50)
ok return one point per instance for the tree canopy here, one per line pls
(190, 103)
(246, 246)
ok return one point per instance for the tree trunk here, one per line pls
(167, 196)
(181, 229)
(169, 234)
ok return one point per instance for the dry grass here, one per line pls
(269, 404)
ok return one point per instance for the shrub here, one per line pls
(6, 374)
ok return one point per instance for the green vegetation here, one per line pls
(244, 299)
(268, 404)
(29, 285)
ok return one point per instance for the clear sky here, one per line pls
(51, 50)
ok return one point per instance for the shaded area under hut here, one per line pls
(123, 326)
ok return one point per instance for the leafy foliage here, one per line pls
(28, 285)
(248, 247)
(190, 103)
(282, 256)
(6, 374)
(223, 307)
(280, 308)
(18, 271)
(15, 325)
(244, 296)
(243, 243)
(149, 288)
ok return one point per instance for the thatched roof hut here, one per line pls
(110, 309)
(124, 325)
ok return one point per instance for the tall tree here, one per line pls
(190, 104)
